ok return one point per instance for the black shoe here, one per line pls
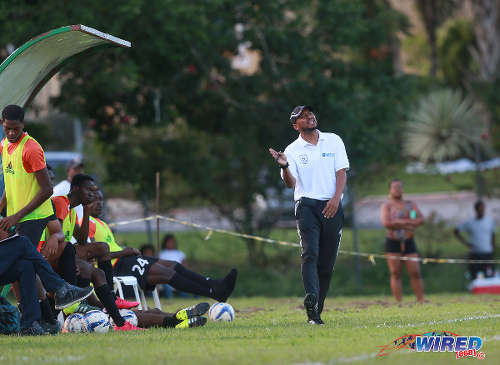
(226, 287)
(193, 311)
(196, 321)
(50, 328)
(311, 305)
(34, 330)
(68, 295)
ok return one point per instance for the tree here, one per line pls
(445, 126)
(174, 104)
(433, 13)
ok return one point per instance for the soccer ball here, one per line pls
(127, 315)
(221, 312)
(96, 321)
(74, 323)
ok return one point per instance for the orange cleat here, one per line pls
(128, 327)
(125, 304)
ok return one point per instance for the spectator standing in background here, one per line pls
(481, 240)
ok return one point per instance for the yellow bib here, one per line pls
(104, 234)
(21, 186)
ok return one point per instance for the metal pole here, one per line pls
(157, 212)
(357, 264)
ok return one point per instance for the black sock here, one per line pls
(104, 295)
(193, 276)
(108, 271)
(82, 282)
(67, 264)
(170, 322)
(182, 283)
(48, 314)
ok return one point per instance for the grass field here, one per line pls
(273, 331)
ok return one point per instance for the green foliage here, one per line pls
(444, 126)
(456, 62)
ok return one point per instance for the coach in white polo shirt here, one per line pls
(315, 165)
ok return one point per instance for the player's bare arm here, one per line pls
(127, 251)
(42, 177)
(282, 161)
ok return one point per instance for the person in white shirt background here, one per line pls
(73, 167)
(315, 165)
(170, 252)
(480, 239)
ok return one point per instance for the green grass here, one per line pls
(273, 331)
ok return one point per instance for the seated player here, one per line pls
(150, 271)
(82, 190)
(89, 273)
(19, 261)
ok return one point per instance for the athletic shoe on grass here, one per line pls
(311, 305)
(125, 304)
(128, 327)
(68, 295)
(80, 307)
(193, 311)
(197, 321)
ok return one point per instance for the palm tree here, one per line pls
(446, 126)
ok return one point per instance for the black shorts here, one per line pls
(137, 266)
(394, 246)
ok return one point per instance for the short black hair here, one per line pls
(477, 204)
(145, 247)
(13, 112)
(394, 180)
(49, 167)
(166, 238)
(79, 179)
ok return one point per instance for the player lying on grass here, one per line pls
(82, 190)
(150, 271)
(89, 273)
(184, 318)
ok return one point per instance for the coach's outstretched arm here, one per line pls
(280, 158)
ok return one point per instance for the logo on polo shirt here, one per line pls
(328, 154)
(303, 159)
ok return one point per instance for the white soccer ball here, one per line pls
(96, 322)
(74, 323)
(127, 315)
(221, 312)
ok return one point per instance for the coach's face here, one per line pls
(306, 121)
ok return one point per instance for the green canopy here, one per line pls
(30, 66)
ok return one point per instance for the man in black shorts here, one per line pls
(400, 218)
(150, 271)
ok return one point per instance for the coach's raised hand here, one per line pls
(279, 157)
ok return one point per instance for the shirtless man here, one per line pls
(400, 218)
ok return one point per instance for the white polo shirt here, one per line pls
(314, 167)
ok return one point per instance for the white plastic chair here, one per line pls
(118, 281)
